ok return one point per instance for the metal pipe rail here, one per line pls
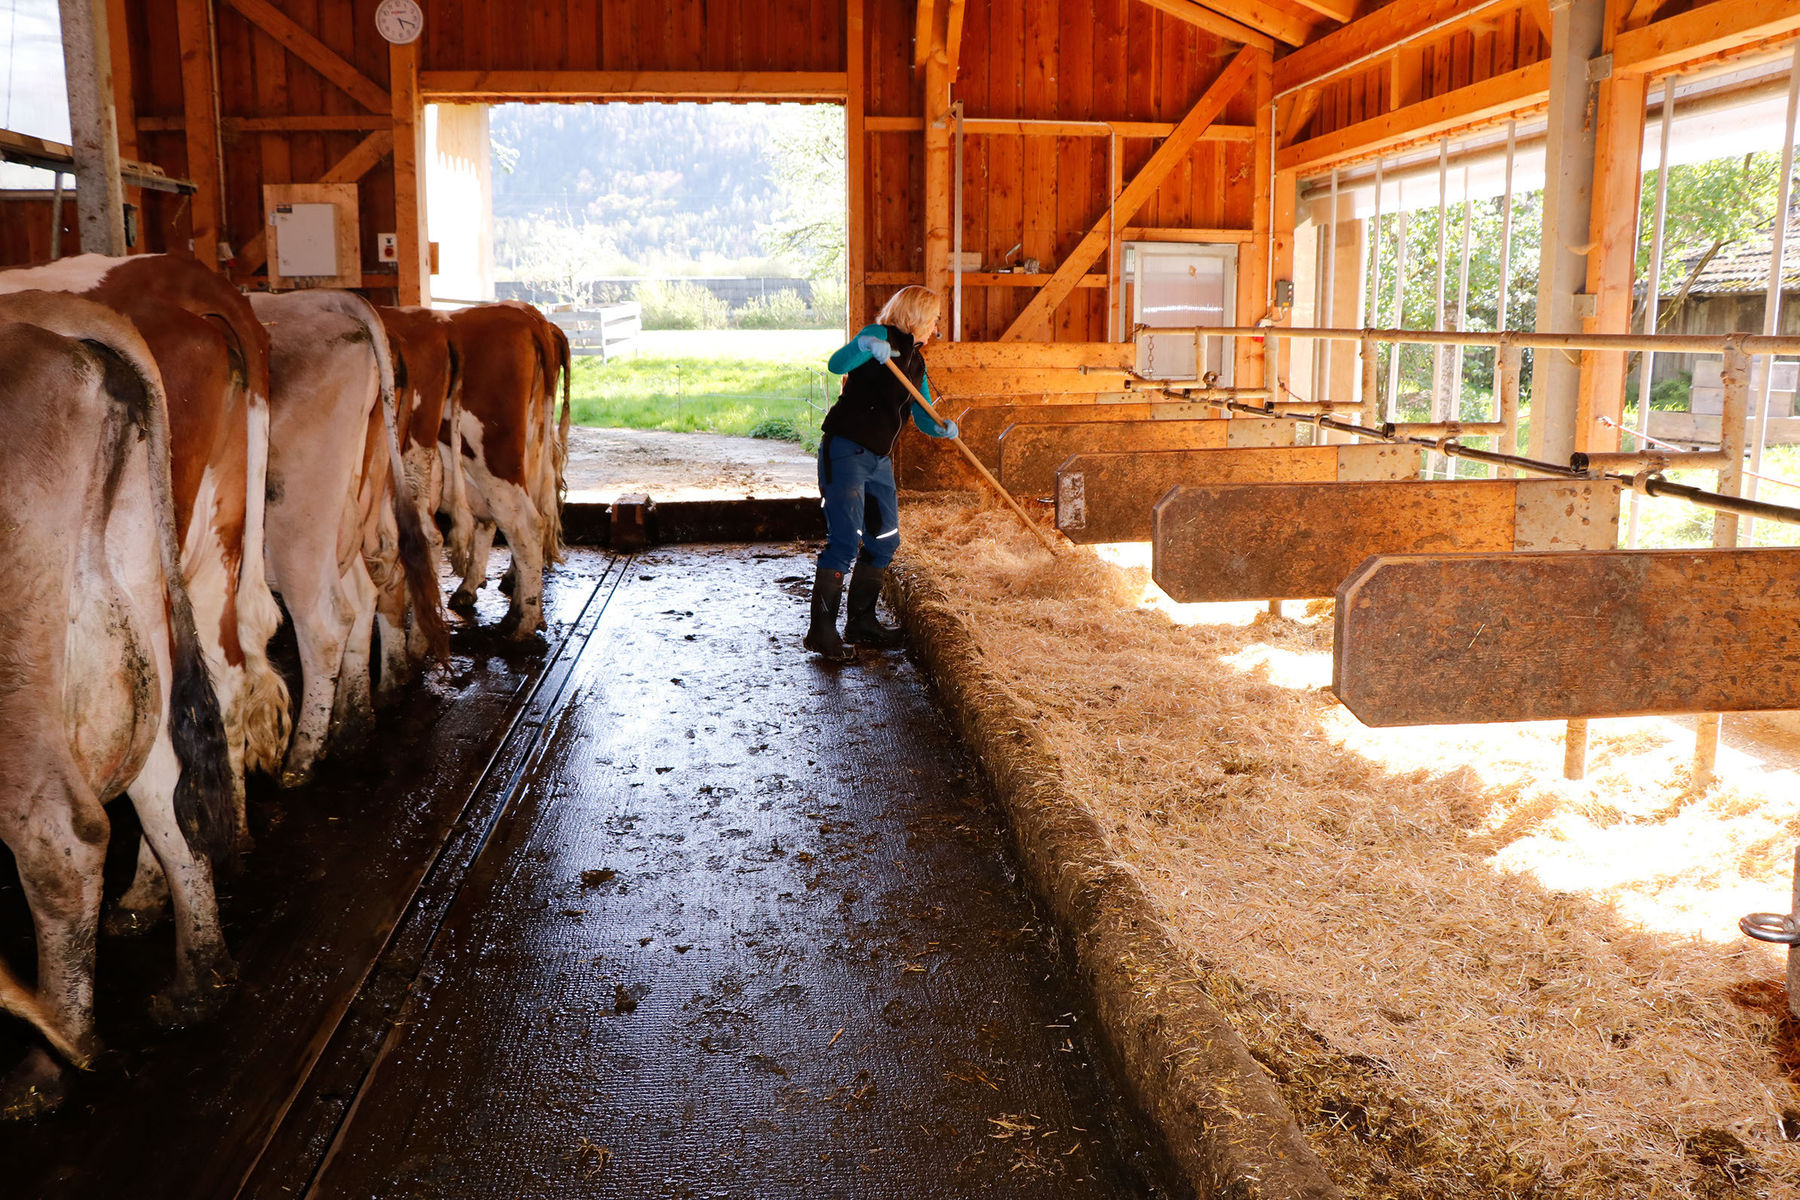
(1673, 343)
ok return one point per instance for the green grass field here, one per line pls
(782, 398)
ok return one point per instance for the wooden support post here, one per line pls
(1256, 260)
(937, 164)
(198, 85)
(856, 164)
(93, 124)
(1575, 748)
(409, 175)
(1034, 322)
(1612, 261)
(1568, 219)
(1734, 374)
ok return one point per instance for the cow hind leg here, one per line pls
(321, 628)
(204, 971)
(481, 545)
(353, 709)
(58, 839)
(146, 902)
(524, 537)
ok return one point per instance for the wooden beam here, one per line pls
(1439, 639)
(348, 169)
(1256, 262)
(198, 87)
(1300, 111)
(1704, 32)
(408, 136)
(856, 166)
(1073, 356)
(314, 53)
(1511, 94)
(1014, 127)
(496, 87)
(953, 35)
(1285, 20)
(317, 123)
(1214, 22)
(1341, 11)
(925, 26)
(1366, 38)
(1203, 237)
(939, 173)
(1034, 321)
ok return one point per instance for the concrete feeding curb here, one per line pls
(1220, 1114)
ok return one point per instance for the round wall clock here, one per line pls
(400, 21)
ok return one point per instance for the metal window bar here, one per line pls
(1438, 407)
(1772, 303)
(1652, 294)
(1506, 224)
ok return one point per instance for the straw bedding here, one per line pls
(1466, 976)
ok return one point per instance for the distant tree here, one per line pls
(561, 258)
(1710, 205)
(808, 160)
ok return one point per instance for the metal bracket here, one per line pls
(1599, 68)
(1586, 306)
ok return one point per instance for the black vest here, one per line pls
(872, 404)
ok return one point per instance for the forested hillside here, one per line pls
(652, 188)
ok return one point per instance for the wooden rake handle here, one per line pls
(1037, 530)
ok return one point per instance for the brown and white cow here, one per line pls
(342, 526)
(511, 452)
(104, 686)
(214, 360)
(426, 396)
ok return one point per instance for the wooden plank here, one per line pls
(1030, 453)
(1268, 541)
(314, 53)
(1431, 639)
(1387, 27)
(1112, 497)
(1009, 380)
(197, 101)
(925, 27)
(981, 425)
(1085, 128)
(1511, 94)
(1174, 150)
(1702, 32)
(992, 356)
(498, 87)
(1215, 22)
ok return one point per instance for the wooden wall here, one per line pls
(25, 227)
(1047, 60)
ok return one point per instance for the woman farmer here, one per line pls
(856, 474)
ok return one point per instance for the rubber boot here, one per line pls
(864, 628)
(822, 636)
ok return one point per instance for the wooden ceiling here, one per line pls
(1264, 23)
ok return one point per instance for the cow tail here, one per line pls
(205, 799)
(415, 549)
(460, 545)
(557, 360)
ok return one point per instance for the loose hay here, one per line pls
(1457, 994)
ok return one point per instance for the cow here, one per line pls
(342, 526)
(426, 394)
(511, 452)
(214, 359)
(104, 683)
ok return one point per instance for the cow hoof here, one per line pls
(462, 600)
(125, 921)
(296, 776)
(177, 1008)
(39, 1084)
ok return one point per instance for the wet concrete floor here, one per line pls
(708, 918)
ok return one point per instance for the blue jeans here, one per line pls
(862, 511)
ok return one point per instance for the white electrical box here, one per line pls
(305, 239)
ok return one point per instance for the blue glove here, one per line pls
(950, 429)
(875, 347)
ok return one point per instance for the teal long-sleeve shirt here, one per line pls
(852, 355)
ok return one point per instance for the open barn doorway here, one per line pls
(695, 254)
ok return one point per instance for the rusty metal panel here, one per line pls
(1109, 497)
(1268, 541)
(1427, 639)
(1031, 453)
(1574, 514)
(927, 466)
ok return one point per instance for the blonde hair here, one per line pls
(913, 309)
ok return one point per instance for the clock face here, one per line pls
(399, 21)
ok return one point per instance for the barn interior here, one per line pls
(1344, 744)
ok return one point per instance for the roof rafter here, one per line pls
(1214, 22)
